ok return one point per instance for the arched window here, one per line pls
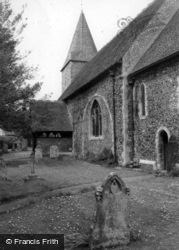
(143, 100)
(96, 119)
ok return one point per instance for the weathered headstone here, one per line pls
(18, 143)
(24, 144)
(110, 227)
(5, 148)
(13, 147)
(3, 170)
(38, 152)
(54, 152)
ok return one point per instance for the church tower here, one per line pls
(82, 49)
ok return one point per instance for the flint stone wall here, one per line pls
(162, 89)
(80, 108)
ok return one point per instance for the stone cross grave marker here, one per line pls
(54, 152)
(110, 227)
(38, 152)
(32, 175)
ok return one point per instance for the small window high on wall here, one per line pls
(96, 119)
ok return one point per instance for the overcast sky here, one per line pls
(51, 25)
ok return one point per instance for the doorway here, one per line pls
(163, 150)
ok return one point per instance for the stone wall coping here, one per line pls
(149, 162)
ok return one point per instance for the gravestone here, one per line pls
(54, 152)
(38, 152)
(110, 227)
(5, 148)
(13, 147)
(3, 170)
(24, 144)
(18, 143)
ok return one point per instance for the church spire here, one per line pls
(82, 49)
(82, 46)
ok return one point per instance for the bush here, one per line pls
(105, 156)
(174, 172)
(90, 156)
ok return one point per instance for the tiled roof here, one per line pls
(113, 52)
(165, 45)
(50, 116)
(82, 46)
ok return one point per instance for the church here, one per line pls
(125, 98)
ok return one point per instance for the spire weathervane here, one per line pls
(82, 5)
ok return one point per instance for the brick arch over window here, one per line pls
(96, 119)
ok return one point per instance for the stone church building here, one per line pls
(125, 98)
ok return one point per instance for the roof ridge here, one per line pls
(132, 70)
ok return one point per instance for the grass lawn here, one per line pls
(53, 174)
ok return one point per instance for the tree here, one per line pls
(46, 97)
(16, 88)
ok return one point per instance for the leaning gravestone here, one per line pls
(110, 228)
(3, 170)
(54, 152)
(38, 152)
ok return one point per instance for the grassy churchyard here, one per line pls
(62, 201)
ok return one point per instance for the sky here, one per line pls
(51, 25)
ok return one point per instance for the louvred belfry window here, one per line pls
(96, 117)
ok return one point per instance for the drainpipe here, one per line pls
(131, 84)
(112, 75)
